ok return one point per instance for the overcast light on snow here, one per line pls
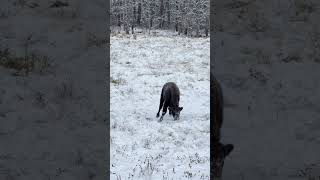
(141, 146)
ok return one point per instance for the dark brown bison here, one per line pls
(219, 151)
(169, 99)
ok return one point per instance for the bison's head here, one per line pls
(175, 112)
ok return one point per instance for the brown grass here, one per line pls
(26, 64)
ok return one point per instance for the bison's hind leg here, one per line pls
(160, 105)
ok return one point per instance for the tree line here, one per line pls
(189, 17)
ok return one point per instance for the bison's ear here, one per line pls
(180, 108)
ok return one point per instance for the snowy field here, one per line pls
(142, 147)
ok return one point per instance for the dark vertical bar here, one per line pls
(212, 34)
(108, 91)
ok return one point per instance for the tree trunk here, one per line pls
(132, 29)
(139, 14)
(206, 31)
(168, 14)
(177, 23)
(119, 20)
(126, 29)
(134, 11)
(198, 31)
(161, 14)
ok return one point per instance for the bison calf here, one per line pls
(170, 97)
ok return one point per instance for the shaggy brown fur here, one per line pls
(170, 97)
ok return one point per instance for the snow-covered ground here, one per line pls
(141, 146)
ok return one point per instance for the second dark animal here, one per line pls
(170, 97)
(219, 150)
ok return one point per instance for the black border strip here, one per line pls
(212, 34)
(108, 12)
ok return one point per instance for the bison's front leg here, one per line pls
(164, 111)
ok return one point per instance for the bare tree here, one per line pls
(183, 16)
